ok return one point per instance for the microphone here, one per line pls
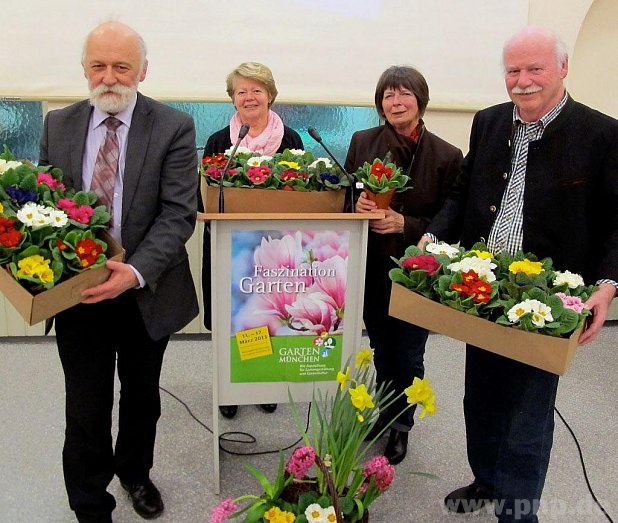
(316, 136)
(241, 134)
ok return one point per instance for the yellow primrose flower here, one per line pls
(1, 208)
(363, 358)
(526, 266)
(291, 165)
(361, 398)
(343, 378)
(272, 513)
(419, 391)
(484, 255)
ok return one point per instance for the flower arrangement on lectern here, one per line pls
(330, 479)
(291, 170)
(47, 233)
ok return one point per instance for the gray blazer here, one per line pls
(159, 201)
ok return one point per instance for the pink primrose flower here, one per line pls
(81, 214)
(571, 302)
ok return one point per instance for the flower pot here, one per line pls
(253, 200)
(382, 199)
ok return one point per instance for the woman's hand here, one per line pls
(392, 223)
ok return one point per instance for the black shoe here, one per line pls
(228, 411)
(146, 499)
(397, 446)
(378, 427)
(468, 499)
(268, 407)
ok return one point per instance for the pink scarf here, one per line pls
(267, 142)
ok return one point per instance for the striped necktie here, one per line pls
(106, 165)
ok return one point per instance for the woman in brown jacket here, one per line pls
(401, 98)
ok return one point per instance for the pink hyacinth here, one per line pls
(223, 511)
(300, 462)
(571, 302)
(382, 472)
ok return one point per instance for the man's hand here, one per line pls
(121, 278)
(425, 239)
(598, 303)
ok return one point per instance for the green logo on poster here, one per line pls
(325, 343)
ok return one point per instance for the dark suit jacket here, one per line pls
(571, 194)
(158, 202)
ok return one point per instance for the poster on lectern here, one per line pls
(288, 304)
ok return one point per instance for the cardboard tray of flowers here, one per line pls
(516, 305)
(545, 352)
(35, 308)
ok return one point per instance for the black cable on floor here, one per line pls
(250, 439)
(581, 459)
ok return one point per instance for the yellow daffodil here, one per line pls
(526, 266)
(361, 398)
(419, 391)
(360, 418)
(363, 358)
(343, 378)
(428, 408)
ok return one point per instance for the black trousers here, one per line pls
(399, 349)
(94, 340)
(509, 412)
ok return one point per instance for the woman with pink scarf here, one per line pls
(252, 88)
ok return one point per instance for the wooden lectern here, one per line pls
(287, 300)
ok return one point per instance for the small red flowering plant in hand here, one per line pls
(381, 176)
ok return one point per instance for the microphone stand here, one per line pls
(241, 134)
(316, 136)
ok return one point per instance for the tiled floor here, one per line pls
(31, 428)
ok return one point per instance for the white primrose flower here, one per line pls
(482, 266)
(57, 218)
(240, 150)
(541, 313)
(31, 214)
(316, 514)
(256, 161)
(573, 280)
(326, 161)
(6, 165)
(442, 248)
(297, 152)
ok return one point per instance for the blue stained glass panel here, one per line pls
(336, 124)
(21, 125)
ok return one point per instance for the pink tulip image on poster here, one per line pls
(294, 282)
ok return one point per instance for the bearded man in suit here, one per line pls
(125, 322)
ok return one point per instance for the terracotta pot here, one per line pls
(383, 199)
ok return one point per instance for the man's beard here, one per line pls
(112, 104)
